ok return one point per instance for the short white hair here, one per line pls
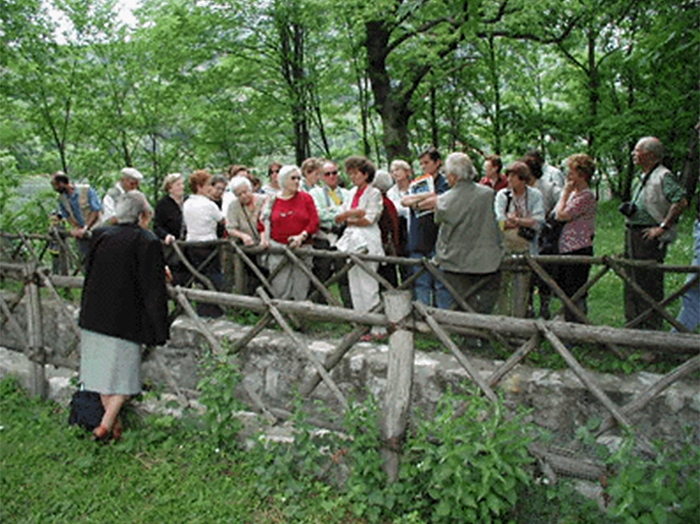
(460, 165)
(131, 206)
(238, 182)
(382, 180)
(286, 172)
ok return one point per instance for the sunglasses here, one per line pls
(331, 173)
(295, 177)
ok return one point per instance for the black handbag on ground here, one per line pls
(549, 235)
(86, 409)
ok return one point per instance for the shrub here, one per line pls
(466, 467)
(659, 491)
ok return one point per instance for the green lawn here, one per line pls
(161, 472)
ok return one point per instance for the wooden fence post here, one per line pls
(397, 305)
(35, 339)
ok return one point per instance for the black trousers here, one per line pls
(572, 277)
(650, 280)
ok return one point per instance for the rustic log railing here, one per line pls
(402, 319)
(19, 247)
(523, 335)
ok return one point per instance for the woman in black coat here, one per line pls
(168, 223)
(124, 305)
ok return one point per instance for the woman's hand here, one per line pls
(264, 243)
(298, 240)
(169, 239)
(168, 275)
(247, 239)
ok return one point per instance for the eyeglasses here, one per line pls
(274, 170)
(331, 173)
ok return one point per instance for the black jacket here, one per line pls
(124, 293)
(168, 218)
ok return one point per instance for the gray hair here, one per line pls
(238, 182)
(131, 206)
(218, 179)
(286, 172)
(652, 145)
(460, 165)
(382, 180)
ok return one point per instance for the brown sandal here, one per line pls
(100, 433)
(117, 429)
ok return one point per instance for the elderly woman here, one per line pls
(361, 211)
(202, 216)
(520, 212)
(124, 305)
(402, 174)
(389, 227)
(243, 215)
(469, 246)
(168, 223)
(292, 220)
(243, 223)
(577, 209)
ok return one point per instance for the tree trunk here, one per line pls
(391, 102)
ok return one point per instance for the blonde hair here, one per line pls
(169, 180)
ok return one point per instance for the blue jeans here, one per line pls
(427, 289)
(690, 314)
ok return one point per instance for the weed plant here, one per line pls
(469, 466)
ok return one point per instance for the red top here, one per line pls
(389, 227)
(291, 217)
(502, 182)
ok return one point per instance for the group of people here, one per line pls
(463, 223)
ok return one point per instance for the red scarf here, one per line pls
(356, 198)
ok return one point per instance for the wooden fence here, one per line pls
(402, 318)
(55, 250)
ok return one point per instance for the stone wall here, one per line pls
(274, 368)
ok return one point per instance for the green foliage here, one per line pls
(218, 394)
(459, 467)
(663, 490)
(291, 470)
(161, 471)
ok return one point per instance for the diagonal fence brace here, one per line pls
(301, 345)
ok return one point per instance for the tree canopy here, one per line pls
(205, 84)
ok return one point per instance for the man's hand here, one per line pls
(652, 233)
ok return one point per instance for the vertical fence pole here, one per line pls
(37, 357)
(239, 276)
(397, 305)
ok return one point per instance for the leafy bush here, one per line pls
(217, 394)
(459, 467)
(664, 490)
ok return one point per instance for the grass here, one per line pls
(163, 471)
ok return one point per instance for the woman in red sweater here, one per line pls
(292, 220)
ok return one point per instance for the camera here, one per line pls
(627, 208)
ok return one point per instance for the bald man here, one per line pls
(658, 200)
